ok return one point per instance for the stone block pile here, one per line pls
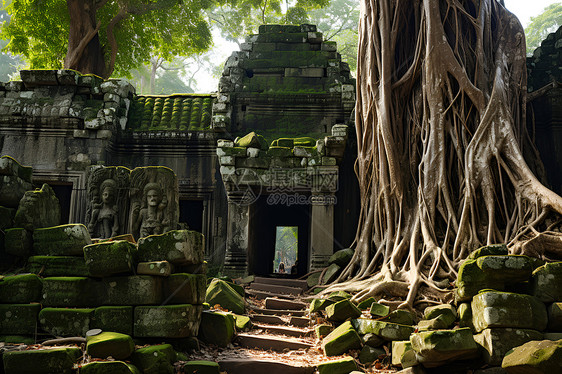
(507, 314)
(543, 65)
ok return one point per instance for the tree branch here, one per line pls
(73, 58)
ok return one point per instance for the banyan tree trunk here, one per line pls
(443, 150)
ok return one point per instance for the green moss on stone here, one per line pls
(155, 359)
(66, 322)
(167, 321)
(114, 318)
(108, 367)
(20, 289)
(19, 319)
(71, 291)
(52, 266)
(183, 288)
(64, 240)
(56, 360)
(114, 344)
(107, 258)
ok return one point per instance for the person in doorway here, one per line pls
(281, 268)
(294, 267)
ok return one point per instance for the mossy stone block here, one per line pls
(369, 354)
(281, 152)
(330, 274)
(386, 330)
(66, 321)
(323, 330)
(232, 151)
(17, 339)
(56, 360)
(54, 266)
(313, 279)
(402, 317)
(155, 359)
(132, 290)
(505, 309)
(304, 142)
(489, 250)
(342, 310)
(183, 288)
(108, 367)
(182, 247)
(38, 208)
(399, 349)
(546, 282)
(20, 289)
(317, 305)
(109, 258)
(465, 315)
(114, 318)
(167, 321)
(372, 340)
(200, 367)
(71, 291)
(341, 340)
(19, 319)
(6, 216)
(156, 268)
(105, 344)
(217, 328)
(9, 166)
(535, 357)
(555, 317)
(64, 240)
(433, 348)
(252, 140)
(242, 322)
(342, 257)
(498, 341)
(219, 292)
(366, 304)
(339, 296)
(18, 242)
(507, 268)
(444, 309)
(378, 310)
(342, 366)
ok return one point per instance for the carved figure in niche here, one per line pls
(150, 219)
(104, 222)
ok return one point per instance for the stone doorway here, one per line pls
(191, 213)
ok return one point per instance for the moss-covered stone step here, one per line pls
(132, 290)
(155, 359)
(71, 291)
(113, 318)
(20, 289)
(109, 258)
(271, 342)
(19, 319)
(56, 360)
(66, 321)
(434, 348)
(18, 242)
(342, 310)
(342, 366)
(387, 330)
(248, 365)
(105, 344)
(341, 340)
(167, 321)
(182, 247)
(108, 367)
(64, 240)
(535, 357)
(183, 288)
(217, 328)
(506, 309)
(498, 341)
(54, 266)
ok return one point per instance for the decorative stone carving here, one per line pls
(108, 201)
(154, 201)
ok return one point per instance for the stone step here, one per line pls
(280, 312)
(298, 283)
(284, 330)
(249, 366)
(271, 342)
(277, 303)
(264, 295)
(274, 288)
(299, 321)
(274, 320)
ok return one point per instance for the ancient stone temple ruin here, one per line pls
(264, 151)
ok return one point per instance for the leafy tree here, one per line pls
(104, 36)
(444, 159)
(8, 63)
(543, 24)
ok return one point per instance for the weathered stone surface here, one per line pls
(66, 322)
(73, 291)
(113, 318)
(132, 290)
(498, 341)
(378, 310)
(200, 367)
(56, 360)
(19, 319)
(465, 315)
(37, 209)
(489, 250)
(403, 354)
(372, 340)
(53, 266)
(323, 330)
(342, 310)
(330, 274)
(18, 242)
(9, 166)
(183, 288)
(318, 305)
(64, 240)
(20, 289)
(366, 304)
(402, 317)
(6, 217)
(342, 257)
(217, 328)
(554, 317)
(505, 309)
(167, 321)
(108, 258)
(387, 330)
(252, 140)
(546, 282)
(339, 296)
(434, 348)
(534, 357)
(109, 367)
(438, 317)
(242, 322)
(342, 366)
(119, 346)
(341, 340)
(368, 354)
(157, 268)
(155, 359)
(219, 292)
(180, 247)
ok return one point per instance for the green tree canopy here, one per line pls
(543, 24)
(104, 37)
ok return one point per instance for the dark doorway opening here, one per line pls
(63, 192)
(191, 213)
(265, 219)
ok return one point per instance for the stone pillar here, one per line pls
(236, 258)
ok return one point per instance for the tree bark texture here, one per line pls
(443, 151)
